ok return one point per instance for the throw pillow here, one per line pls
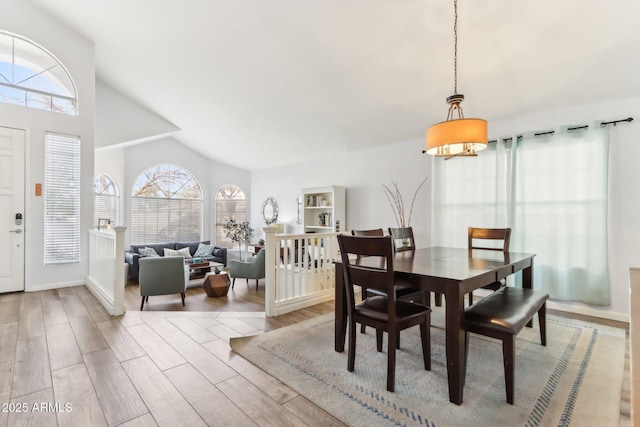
(183, 252)
(204, 251)
(150, 252)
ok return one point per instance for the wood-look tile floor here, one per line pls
(64, 361)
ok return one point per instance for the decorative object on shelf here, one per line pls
(456, 137)
(261, 242)
(238, 232)
(216, 270)
(107, 223)
(397, 203)
(270, 211)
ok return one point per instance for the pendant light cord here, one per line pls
(455, 47)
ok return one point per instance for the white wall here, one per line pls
(364, 172)
(122, 120)
(77, 55)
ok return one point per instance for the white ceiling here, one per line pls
(256, 83)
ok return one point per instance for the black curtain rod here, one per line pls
(551, 132)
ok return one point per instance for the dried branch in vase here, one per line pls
(397, 203)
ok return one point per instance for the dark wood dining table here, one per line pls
(453, 272)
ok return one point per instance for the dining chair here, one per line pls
(403, 291)
(403, 241)
(384, 313)
(489, 234)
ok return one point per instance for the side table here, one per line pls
(216, 285)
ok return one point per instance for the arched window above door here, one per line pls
(32, 77)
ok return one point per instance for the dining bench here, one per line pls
(502, 315)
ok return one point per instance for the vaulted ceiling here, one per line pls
(257, 84)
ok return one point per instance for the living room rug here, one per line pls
(575, 380)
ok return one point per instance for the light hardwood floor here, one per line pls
(64, 361)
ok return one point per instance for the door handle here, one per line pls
(17, 230)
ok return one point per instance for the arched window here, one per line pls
(107, 200)
(166, 206)
(230, 203)
(32, 77)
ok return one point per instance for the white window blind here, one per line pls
(155, 220)
(107, 200)
(166, 206)
(61, 199)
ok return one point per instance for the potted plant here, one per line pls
(238, 232)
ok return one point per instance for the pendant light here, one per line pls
(456, 136)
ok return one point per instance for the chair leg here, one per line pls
(379, 334)
(542, 321)
(182, 295)
(233, 283)
(363, 328)
(391, 360)
(425, 335)
(351, 358)
(508, 355)
(256, 285)
(142, 303)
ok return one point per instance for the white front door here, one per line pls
(12, 179)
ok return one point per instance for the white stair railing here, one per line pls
(106, 279)
(299, 270)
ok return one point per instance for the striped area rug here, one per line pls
(575, 380)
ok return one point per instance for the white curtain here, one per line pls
(468, 192)
(551, 190)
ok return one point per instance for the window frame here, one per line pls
(18, 88)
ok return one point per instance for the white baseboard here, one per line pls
(303, 302)
(104, 299)
(50, 286)
(588, 311)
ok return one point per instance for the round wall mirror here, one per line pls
(270, 211)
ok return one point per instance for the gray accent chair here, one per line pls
(252, 268)
(162, 276)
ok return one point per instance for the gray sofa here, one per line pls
(132, 256)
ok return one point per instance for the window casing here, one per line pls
(107, 200)
(166, 206)
(230, 203)
(32, 77)
(61, 199)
